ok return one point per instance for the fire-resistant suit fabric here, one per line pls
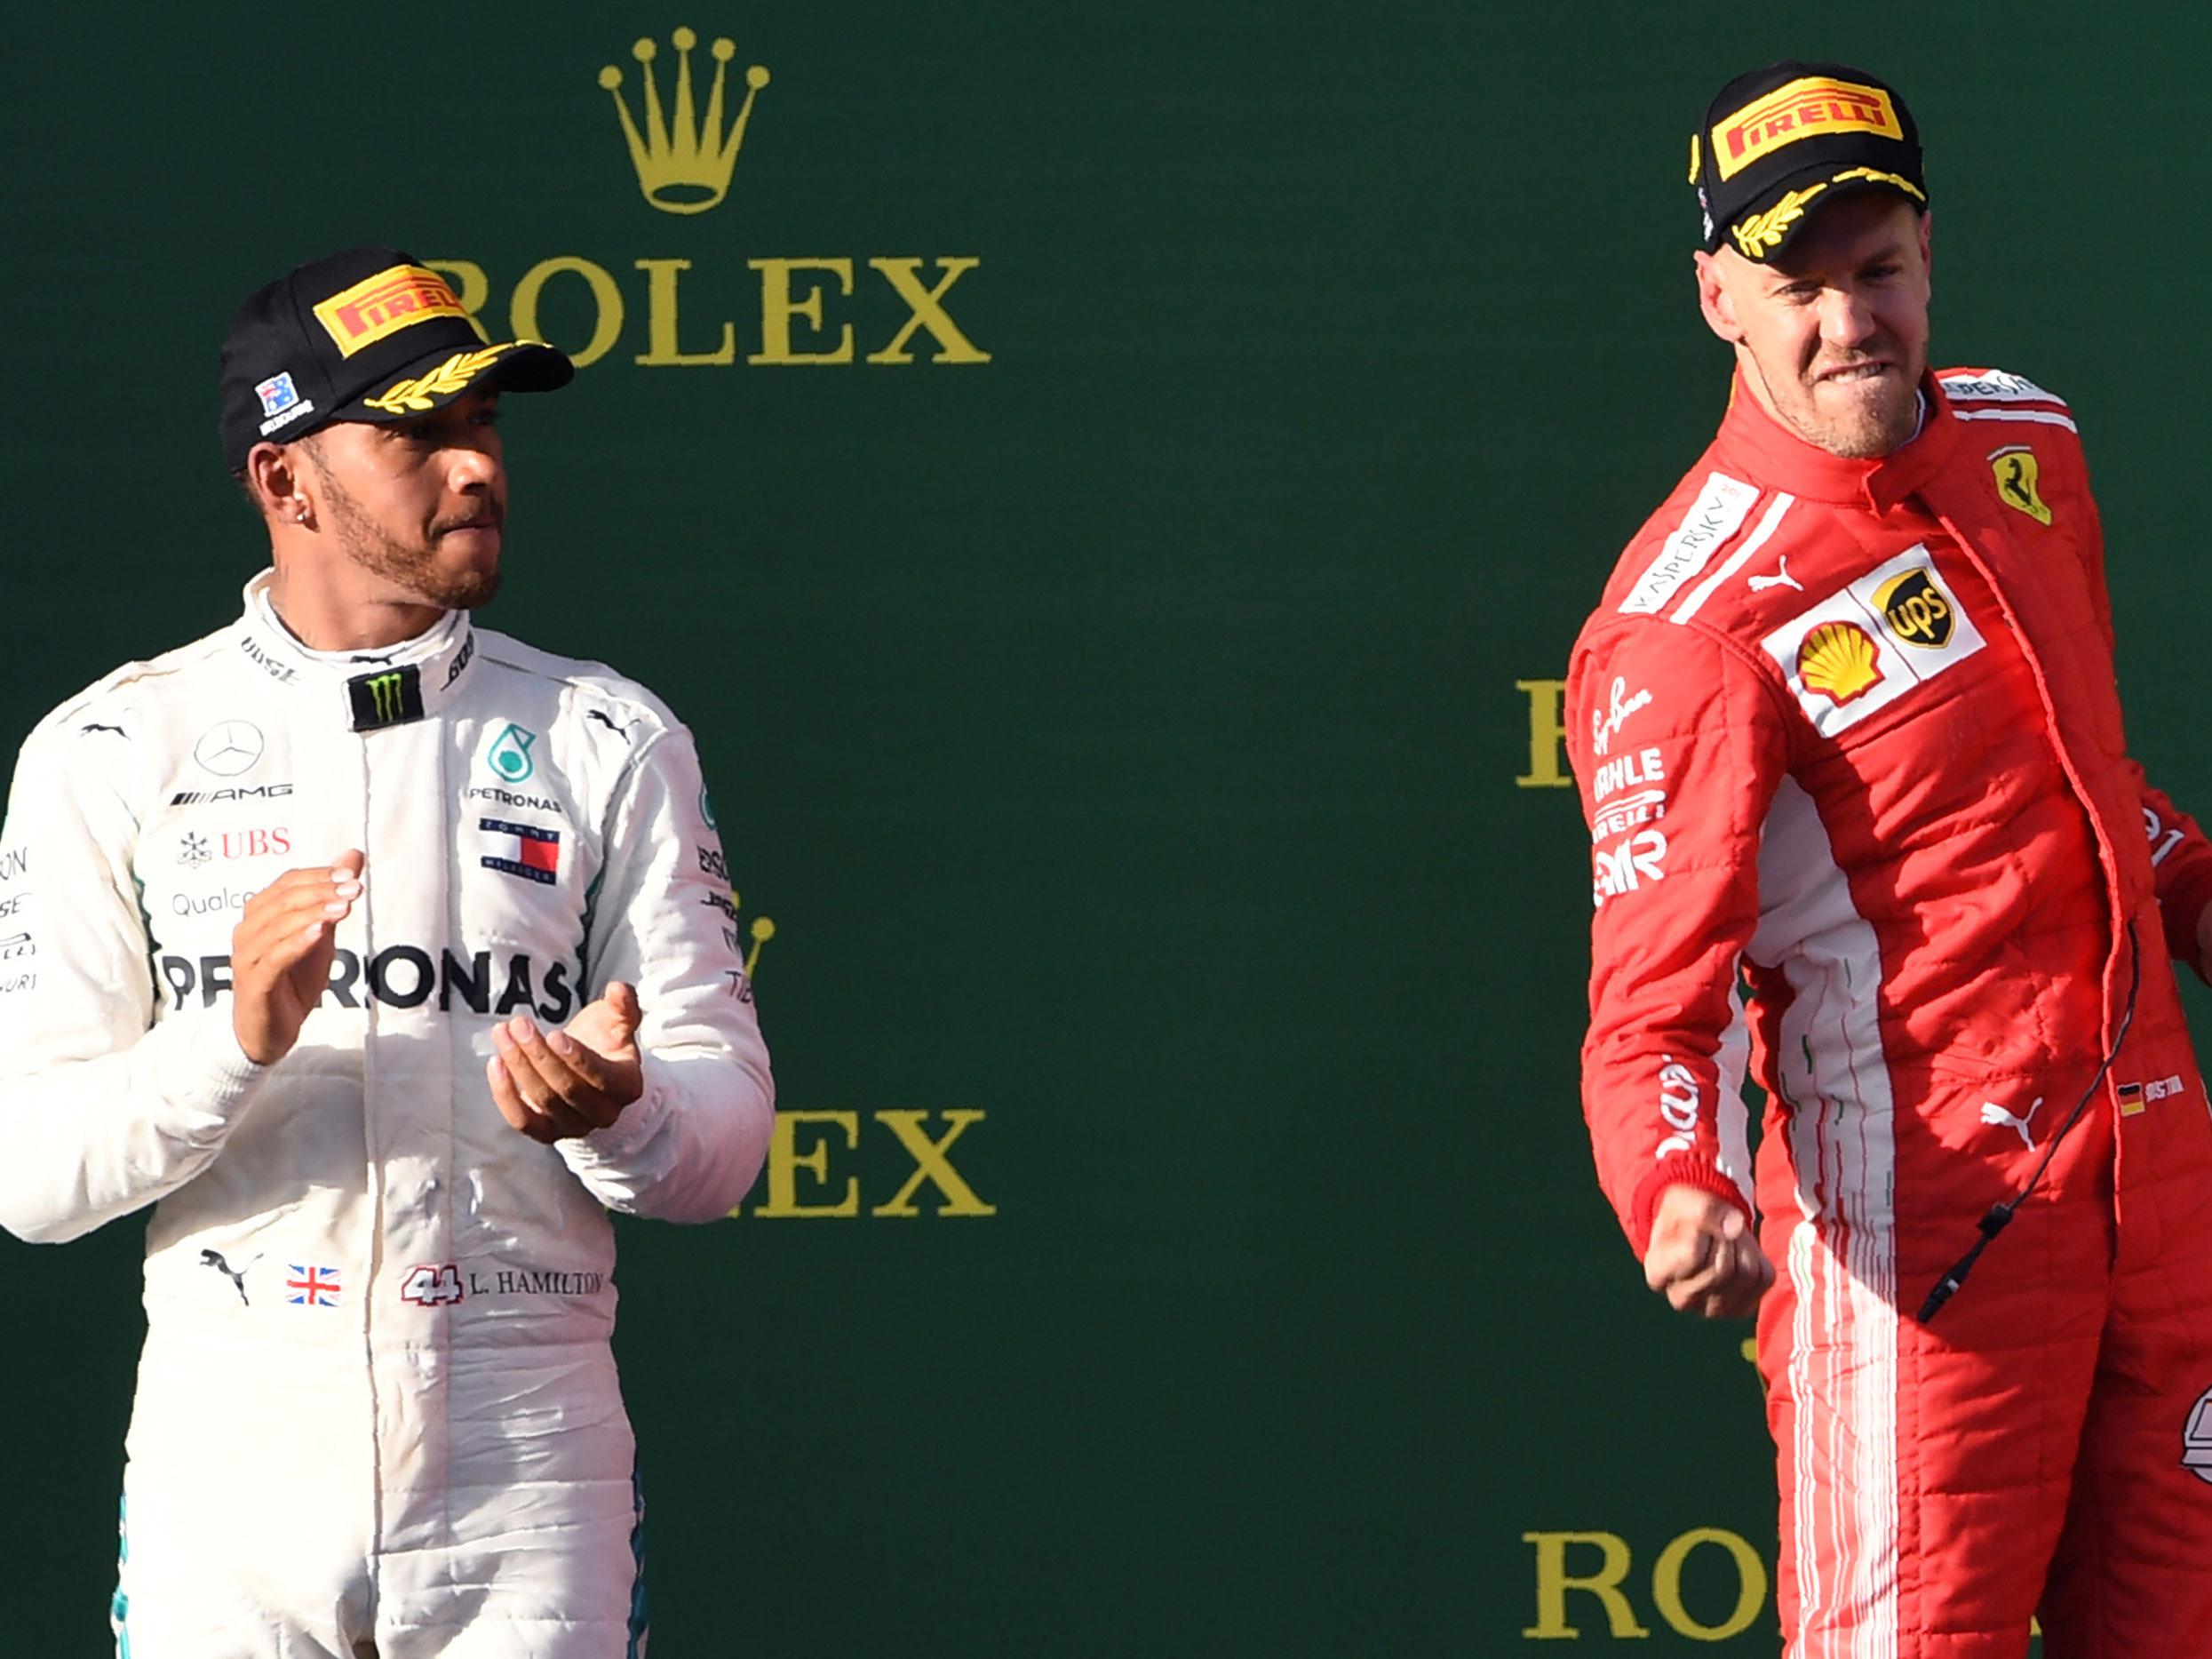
(1849, 743)
(377, 1400)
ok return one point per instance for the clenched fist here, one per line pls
(1703, 1255)
(280, 953)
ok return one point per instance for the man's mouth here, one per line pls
(1855, 374)
(482, 521)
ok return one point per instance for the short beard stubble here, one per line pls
(414, 569)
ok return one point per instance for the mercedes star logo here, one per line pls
(229, 748)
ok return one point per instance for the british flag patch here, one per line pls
(312, 1286)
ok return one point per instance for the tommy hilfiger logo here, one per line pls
(529, 850)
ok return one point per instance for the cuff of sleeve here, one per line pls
(1680, 1169)
(206, 1076)
(640, 1121)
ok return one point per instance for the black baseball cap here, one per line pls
(368, 334)
(1780, 140)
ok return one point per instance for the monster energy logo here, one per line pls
(386, 697)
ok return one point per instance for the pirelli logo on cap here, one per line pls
(380, 305)
(1805, 108)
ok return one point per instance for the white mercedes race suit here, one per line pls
(376, 1402)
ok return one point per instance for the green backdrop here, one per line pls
(1124, 733)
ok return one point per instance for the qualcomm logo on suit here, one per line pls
(683, 152)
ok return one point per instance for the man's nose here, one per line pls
(1846, 317)
(472, 469)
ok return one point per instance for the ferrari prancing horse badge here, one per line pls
(2016, 473)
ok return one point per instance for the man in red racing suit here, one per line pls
(1849, 742)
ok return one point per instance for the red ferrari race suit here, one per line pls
(1849, 742)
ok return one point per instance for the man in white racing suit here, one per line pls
(384, 955)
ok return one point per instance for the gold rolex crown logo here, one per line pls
(683, 165)
(761, 931)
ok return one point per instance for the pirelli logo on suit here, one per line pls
(1857, 651)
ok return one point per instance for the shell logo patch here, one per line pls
(1840, 661)
(2017, 473)
(1885, 637)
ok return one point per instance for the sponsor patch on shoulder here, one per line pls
(1994, 385)
(1714, 518)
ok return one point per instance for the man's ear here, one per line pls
(278, 483)
(1715, 304)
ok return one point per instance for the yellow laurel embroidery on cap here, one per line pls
(1878, 177)
(1693, 158)
(416, 396)
(1763, 232)
(2019, 473)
